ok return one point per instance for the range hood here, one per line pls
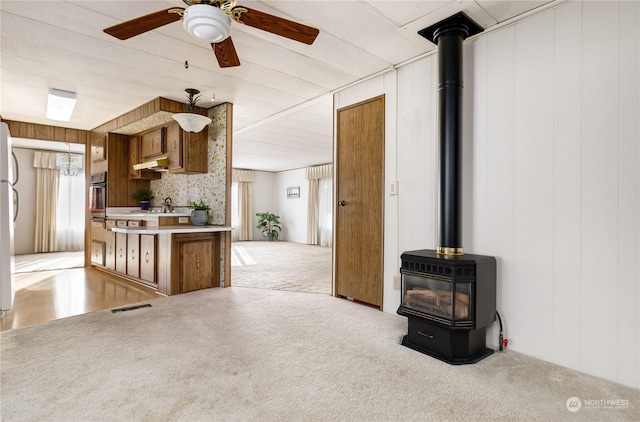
(160, 164)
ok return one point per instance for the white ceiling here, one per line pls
(282, 116)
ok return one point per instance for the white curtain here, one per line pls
(325, 206)
(47, 183)
(320, 205)
(313, 213)
(244, 179)
(71, 213)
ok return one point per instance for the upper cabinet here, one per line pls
(99, 149)
(152, 143)
(135, 158)
(187, 152)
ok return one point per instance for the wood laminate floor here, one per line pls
(47, 295)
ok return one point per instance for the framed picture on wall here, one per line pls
(293, 192)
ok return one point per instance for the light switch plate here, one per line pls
(396, 282)
(393, 188)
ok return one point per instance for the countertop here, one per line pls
(171, 229)
(145, 215)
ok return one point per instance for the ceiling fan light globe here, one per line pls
(191, 122)
(207, 23)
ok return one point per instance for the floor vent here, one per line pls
(131, 308)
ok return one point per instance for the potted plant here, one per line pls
(200, 213)
(144, 196)
(269, 224)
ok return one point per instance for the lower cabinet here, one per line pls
(174, 262)
(133, 255)
(110, 250)
(196, 267)
(121, 253)
(148, 258)
(129, 254)
(97, 253)
(195, 260)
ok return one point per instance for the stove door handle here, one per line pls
(429, 336)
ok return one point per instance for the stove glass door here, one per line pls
(439, 298)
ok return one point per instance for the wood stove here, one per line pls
(449, 302)
(448, 297)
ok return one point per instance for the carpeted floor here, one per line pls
(245, 354)
(294, 267)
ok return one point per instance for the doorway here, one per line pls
(56, 211)
(360, 202)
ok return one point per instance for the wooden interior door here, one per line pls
(360, 201)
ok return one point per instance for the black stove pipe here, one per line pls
(448, 35)
(450, 102)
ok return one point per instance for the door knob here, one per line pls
(342, 203)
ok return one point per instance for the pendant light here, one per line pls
(192, 122)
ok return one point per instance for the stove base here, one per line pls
(455, 347)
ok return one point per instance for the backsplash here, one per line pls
(210, 187)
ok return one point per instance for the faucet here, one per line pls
(167, 207)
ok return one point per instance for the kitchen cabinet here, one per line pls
(187, 152)
(121, 253)
(196, 267)
(195, 259)
(133, 255)
(129, 254)
(120, 187)
(97, 253)
(174, 147)
(135, 158)
(148, 258)
(99, 149)
(152, 143)
(110, 250)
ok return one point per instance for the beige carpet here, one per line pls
(294, 267)
(244, 354)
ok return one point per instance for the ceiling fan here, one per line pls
(210, 20)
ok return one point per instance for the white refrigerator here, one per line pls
(8, 210)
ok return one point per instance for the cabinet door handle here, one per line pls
(197, 264)
(146, 257)
(120, 252)
(133, 256)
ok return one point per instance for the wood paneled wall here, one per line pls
(47, 133)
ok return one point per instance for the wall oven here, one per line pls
(98, 196)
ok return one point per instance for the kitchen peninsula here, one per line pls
(163, 250)
(154, 249)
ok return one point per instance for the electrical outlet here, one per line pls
(183, 220)
(396, 282)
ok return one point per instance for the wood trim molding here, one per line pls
(145, 110)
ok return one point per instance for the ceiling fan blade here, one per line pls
(137, 26)
(279, 26)
(226, 53)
